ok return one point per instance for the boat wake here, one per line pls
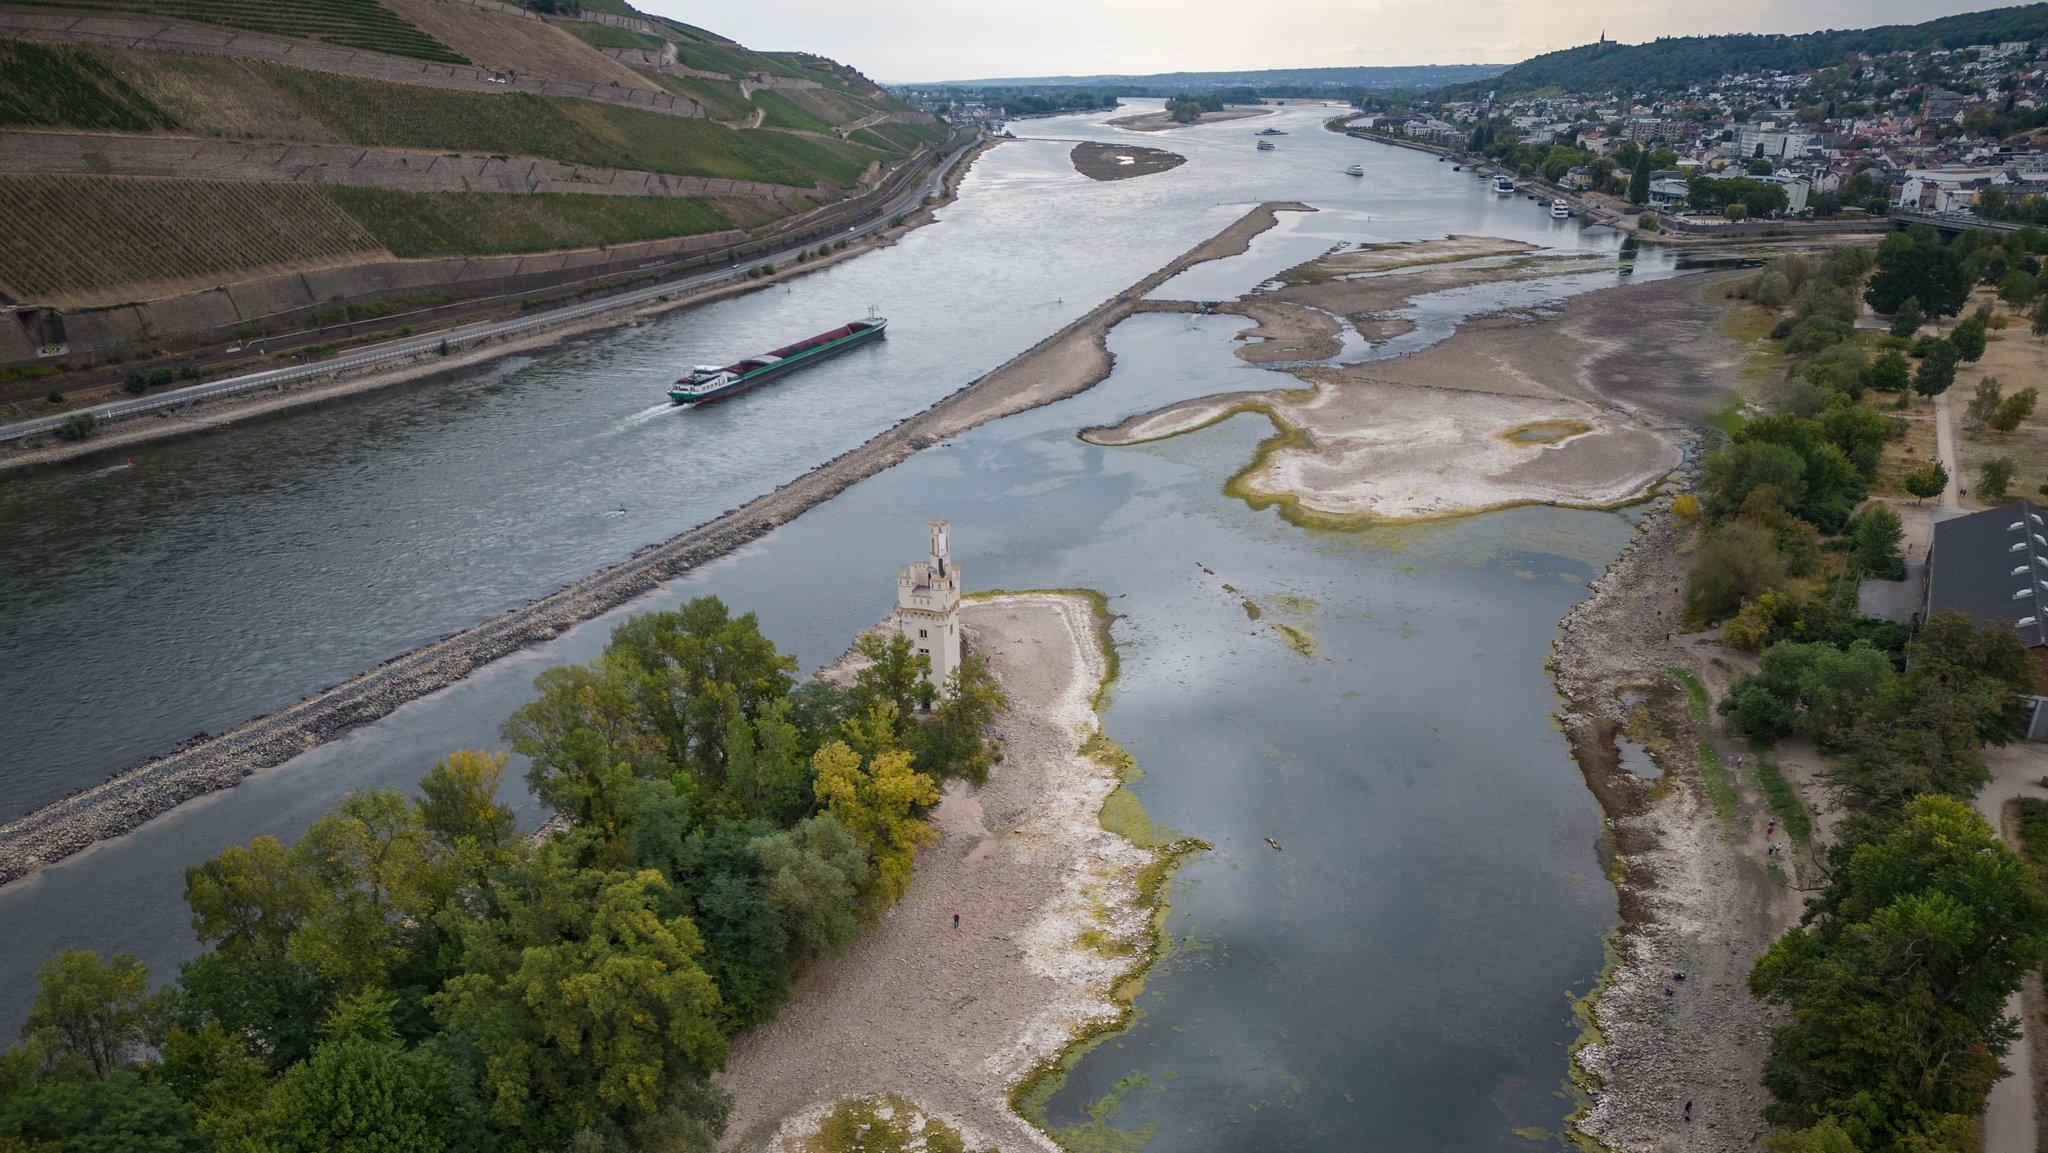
(124, 466)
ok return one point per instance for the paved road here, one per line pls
(465, 335)
(2009, 1124)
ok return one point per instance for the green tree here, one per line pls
(815, 873)
(2018, 290)
(363, 861)
(1878, 532)
(356, 1095)
(2013, 409)
(1890, 372)
(1916, 264)
(1907, 318)
(97, 1017)
(589, 1007)
(952, 744)
(1994, 478)
(583, 730)
(687, 666)
(1737, 561)
(1928, 480)
(1984, 400)
(896, 674)
(1897, 980)
(1970, 338)
(1639, 180)
(2039, 317)
(122, 1114)
(1732, 473)
(768, 768)
(1937, 370)
(878, 802)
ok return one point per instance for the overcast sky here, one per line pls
(909, 40)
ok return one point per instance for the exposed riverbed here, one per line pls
(1397, 974)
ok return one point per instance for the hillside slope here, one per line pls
(188, 161)
(1675, 63)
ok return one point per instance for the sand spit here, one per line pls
(1121, 161)
(950, 1019)
(1352, 451)
(1163, 122)
(1068, 362)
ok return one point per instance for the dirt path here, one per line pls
(1070, 361)
(2010, 1121)
(952, 1018)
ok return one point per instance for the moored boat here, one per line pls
(1560, 209)
(710, 382)
(1503, 185)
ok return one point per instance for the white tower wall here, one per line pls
(928, 605)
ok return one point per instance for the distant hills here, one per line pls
(1674, 63)
(1273, 81)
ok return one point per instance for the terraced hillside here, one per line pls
(154, 151)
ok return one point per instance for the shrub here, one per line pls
(1770, 289)
(1738, 562)
(78, 426)
(55, 397)
(1686, 506)
(2012, 410)
(135, 381)
(443, 349)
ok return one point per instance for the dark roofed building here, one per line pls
(1993, 566)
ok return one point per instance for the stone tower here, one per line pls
(928, 606)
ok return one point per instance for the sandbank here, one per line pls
(1164, 122)
(949, 1019)
(1354, 451)
(1121, 161)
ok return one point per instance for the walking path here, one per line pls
(1945, 448)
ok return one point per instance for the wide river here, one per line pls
(1399, 976)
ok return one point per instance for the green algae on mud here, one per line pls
(1124, 815)
(884, 1123)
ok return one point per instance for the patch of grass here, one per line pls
(480, 223)
(721, 100)
(1784, 799)
(363, 24)
(884, 1123)
(44, 84)
(605, 36)
(1720, 786)
(373, 112)
(2033, 821)
(1727, 419)
(780, 111)
(1696, 699)
(97, 232)
(1545, 431)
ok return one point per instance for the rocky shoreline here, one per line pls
(1064, 364)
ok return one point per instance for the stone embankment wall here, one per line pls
(201, 159)
(149, 33)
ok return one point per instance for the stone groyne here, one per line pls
(1066, 363)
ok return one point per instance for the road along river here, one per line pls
(1399, 971)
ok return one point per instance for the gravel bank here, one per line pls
(1068, 362)
(948, 1018)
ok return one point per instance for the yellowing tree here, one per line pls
(877, 802)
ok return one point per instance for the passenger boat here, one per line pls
(1355, 170)
(710, 382)
(1271, 132)
(1560, 209)
(1503, 185)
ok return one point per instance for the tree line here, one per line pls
(412, 976)
(1896, 978)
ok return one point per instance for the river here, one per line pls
(1397, 974)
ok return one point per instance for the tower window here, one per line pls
(920, 634)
